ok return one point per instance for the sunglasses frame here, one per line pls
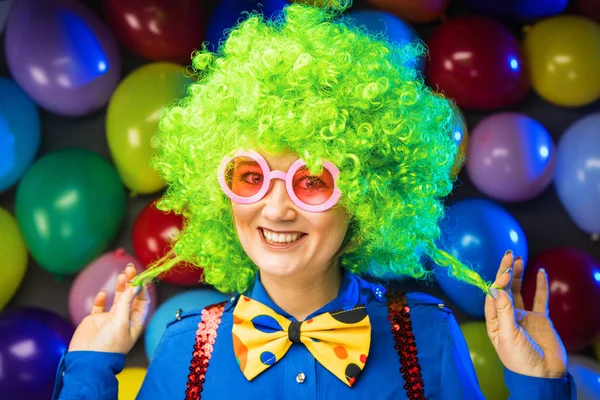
(287, 177)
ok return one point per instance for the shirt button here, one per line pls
(379, 291)
(300, 377)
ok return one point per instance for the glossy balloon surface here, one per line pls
(477, 61)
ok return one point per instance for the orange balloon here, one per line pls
(413, 10)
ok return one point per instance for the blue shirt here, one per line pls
(443, 355)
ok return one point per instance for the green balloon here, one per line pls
(489, 368)
(69, 205)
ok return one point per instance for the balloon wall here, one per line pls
(80, 103)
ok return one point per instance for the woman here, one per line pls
(309, 153)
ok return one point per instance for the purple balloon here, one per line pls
(102, 274)
(32, 341)
(511, 157)
(62, 55)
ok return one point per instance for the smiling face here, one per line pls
(282, 239)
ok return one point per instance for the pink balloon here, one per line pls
(102, 274)
(510, 157)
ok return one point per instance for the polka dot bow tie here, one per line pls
(339, 340)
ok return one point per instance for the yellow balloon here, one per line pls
(563, 54)
(132, 120)
(460, 135)
(130, 382)
(488, 367)
(597, 347)
(14, 257)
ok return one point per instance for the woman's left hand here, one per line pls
(525, 341)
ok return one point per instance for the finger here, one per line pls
(123, 283)
(491, 318)
(505, 313)
(123, 307)
(540, 300)
(517, 281)
(504, 274)
(139, 311)
(120, 288)
(99, 302)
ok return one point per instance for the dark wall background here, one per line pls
(543, 219)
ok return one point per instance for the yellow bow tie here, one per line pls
(339, 340)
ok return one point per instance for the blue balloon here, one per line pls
(228, 12)
(189, 300)
(32, 341)
(19, 133)
(477, 232)
(390, 26)
(519, 10)
(577, 176)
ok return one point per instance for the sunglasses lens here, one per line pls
(313, 189)
(244, 176)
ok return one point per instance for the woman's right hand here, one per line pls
(115, 330)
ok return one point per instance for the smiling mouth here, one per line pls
(280, 239)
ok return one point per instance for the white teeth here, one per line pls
(280, 237)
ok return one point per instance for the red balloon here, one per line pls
(478, 62)
(152, 234)
(159, 30)
(413, 10)
(588, 8)
(574, 305)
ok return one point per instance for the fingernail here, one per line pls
(518, 258)
(137, 290)
(509, 251)
(507, 271)
(494, 293)
(130, 264)
(542, 270)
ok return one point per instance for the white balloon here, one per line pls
(586, 373)
(4, 9)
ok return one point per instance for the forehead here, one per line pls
(280, 161)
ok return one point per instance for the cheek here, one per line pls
(332, 225)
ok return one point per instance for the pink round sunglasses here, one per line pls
(314, 193)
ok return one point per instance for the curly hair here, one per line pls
(310, 82)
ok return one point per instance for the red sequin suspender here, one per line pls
(205, 339)
(399, 316)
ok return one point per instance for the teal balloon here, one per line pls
(69, 205)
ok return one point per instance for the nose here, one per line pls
(277, 203)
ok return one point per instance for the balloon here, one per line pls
(574, 304)
(563, 56)
(195, 299)
(384, 23)
(130, 382)
(413, 11)
(461, 138)
(69, 205)
(32, 342)
(488, 366)
(586, 373)
(62, 55)
(159, 30)
(588, 8)
(14, 257)
(597, 347)
(577, 178)
(511, 157)
(477, 61)
(478, 232)
(152, 234)
(102, 274)
(19, 132)
(228, 12)
(519, 10)
(4, 11)
(132, 119)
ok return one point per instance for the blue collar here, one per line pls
(348, 296)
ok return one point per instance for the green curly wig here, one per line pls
(310, 82)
